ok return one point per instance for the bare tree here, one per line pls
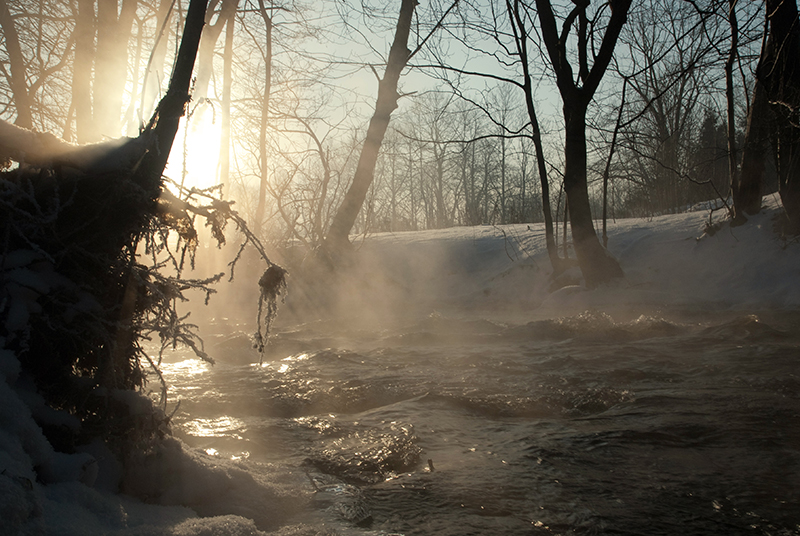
(18, 74)
(386, 103)
(153, 75)
(772, 116)
(211, 32)
(596, 264)
(670, 75)
(266, 16)
(518, 16)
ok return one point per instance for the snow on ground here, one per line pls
(669, 263)
(47, 492)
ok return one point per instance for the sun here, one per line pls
(193, 161)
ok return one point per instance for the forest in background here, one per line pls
(282, 93)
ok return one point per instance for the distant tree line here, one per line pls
(518, 111)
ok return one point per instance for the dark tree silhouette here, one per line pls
(399, 55)
(779, 72)
(596, 263)
(16, 62)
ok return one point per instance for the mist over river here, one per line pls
(585, 424)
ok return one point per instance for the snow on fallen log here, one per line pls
(42, 149)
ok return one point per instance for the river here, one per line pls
(459, 425)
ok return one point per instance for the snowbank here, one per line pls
(670, 262)
(47, 492)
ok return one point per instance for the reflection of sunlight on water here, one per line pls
(187, 367)
(298, 357)
(316, 423)
(292, 358)
(224, 426)
(285, 364)
(243, 455)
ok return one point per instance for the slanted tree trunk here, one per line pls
(595, 262)
(346, 215)
(18, 83)
(172, 107)
(162, 128)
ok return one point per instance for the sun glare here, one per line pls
(194, 158)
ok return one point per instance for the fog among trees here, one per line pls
(498, 112)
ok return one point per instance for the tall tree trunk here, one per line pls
(111, 64)
(386, 103)
(411, 191)
(82, 71)
(130, 125)
(441, 210)
(225, 134)
(503, 180)
(729, 97)
(747, 197)
(154, 72)
(319, 216)
(523, 168)
(607, 170)
(262, 133)
(521, 38)
(544, 181)
(779, 70)
(18, 82)
(595, 262)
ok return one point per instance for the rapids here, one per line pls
(459, 426)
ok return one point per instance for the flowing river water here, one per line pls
(458, 426)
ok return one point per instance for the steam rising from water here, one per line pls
(567, 425)
(649, 407)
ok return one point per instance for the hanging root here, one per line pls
(272, 283)
(217, 212)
